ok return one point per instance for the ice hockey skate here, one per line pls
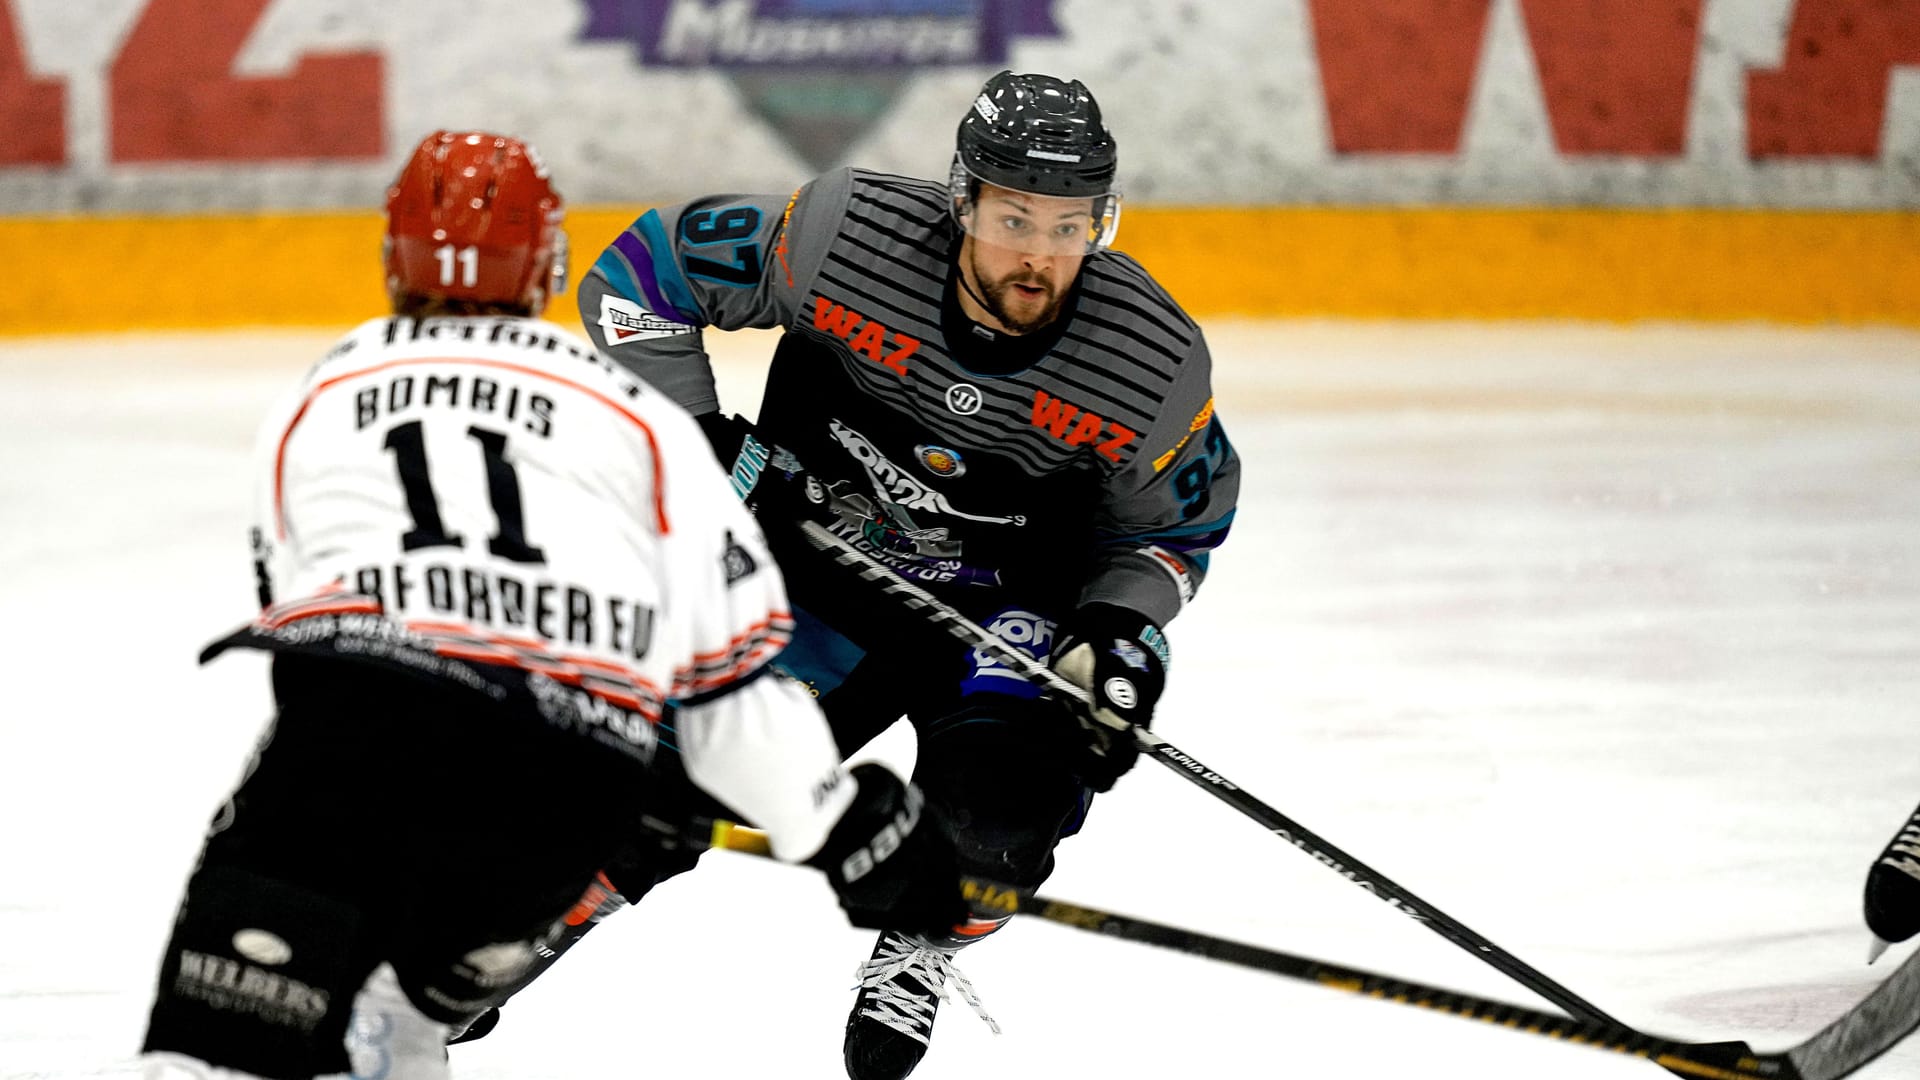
(1893, 889)
(901, 987)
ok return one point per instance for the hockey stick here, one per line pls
(1884, 1017)
(1164, 752)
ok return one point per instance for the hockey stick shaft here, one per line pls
(1210, 781)
(1888, 1014)
(1724, 1061)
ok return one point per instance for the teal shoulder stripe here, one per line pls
(612, 267)
(666, 269)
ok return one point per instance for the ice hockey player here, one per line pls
(973, 387)
(1893, 890)
(512, 605)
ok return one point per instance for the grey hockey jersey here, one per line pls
(1097, 472)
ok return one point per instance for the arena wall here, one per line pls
(171, 163)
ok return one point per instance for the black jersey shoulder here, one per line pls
(1119, 298)
(906, 198)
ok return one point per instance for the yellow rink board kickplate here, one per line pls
(87, 274)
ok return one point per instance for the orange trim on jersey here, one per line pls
(625, 700)
(280, 453)
(535, 645)
(276, 617)
(742, 636)
(477, 653)
(780, 245)
(630, 690)
(751, 656)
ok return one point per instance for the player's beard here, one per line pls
(1001, 299)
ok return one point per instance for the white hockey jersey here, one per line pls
(511, 498)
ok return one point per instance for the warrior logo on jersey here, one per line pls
(899, 491)
(625, 321)
(939, 460)
(963, 399)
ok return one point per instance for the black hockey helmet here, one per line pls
(1043, 136)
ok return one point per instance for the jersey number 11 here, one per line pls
(509, 540)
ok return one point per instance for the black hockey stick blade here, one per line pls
(1863, 1033)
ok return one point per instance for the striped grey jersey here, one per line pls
(1098, 473)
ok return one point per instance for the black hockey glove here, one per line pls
(891, 861)
(728, 435)
(748, 460)
(1120, 657)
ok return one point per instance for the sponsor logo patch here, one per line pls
(899, 490)
(939, 460)
(1077, 427)
(1130, 654)
(625, 321)
(864, 336)
(1198, 424)
(1175, 568)
(737, 561)
(1120, 692)
(1023, 630)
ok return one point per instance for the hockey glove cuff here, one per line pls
(1120, 658)
(739, 452)
(748, 458)
(891, 861)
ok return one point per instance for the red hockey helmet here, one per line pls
(472, 218)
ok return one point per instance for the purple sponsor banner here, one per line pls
(737, 34)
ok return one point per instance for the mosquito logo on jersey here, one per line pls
(625, 321)
(1030, 633)
(899, 490)
(939, 460)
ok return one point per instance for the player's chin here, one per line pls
(1030, 306)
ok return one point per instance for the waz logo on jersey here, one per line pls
(820, 72)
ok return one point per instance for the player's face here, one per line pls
(1023, 252)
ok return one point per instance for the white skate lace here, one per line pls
(1906, 844)
(899, 1006)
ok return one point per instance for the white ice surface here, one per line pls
(1605, 641)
